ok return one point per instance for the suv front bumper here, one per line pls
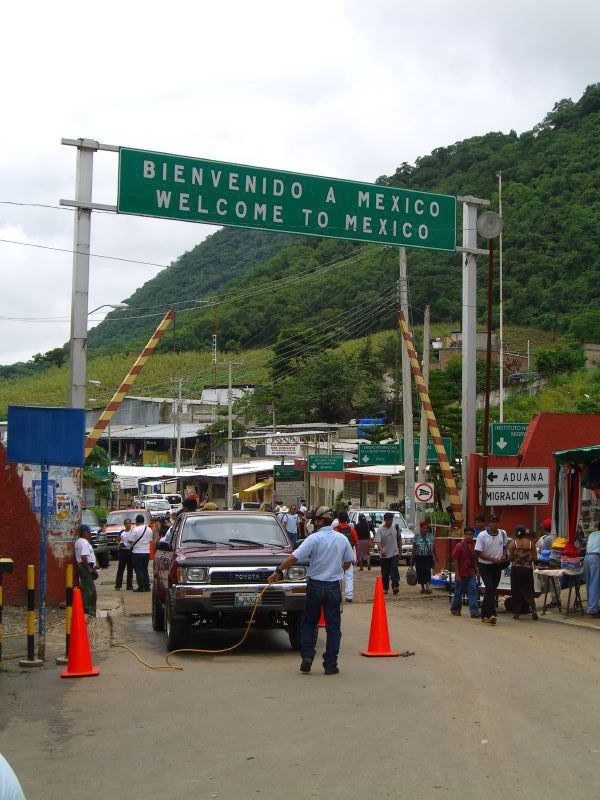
(192, 598)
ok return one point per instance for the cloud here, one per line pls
(341, 88)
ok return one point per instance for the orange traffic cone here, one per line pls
(79, 664)
(379, 638)
(322, 623)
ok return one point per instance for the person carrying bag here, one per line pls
(140, 537)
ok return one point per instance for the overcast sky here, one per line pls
(332, 87)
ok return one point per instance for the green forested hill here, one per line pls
(265, 282)
(268, 284)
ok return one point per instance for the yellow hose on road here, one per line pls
(168, 664)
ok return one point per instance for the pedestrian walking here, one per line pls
(328, 554)
(124, 558)
(591, 568)
(86, 569)
(290, 523)
(139, 538)
(523, 555)
(387, 536)
(424, 556)
(490, 549)
(466, 578)
(363, 546)
(344, 527)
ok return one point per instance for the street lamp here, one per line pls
(114, 306)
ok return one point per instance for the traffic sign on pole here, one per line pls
(377, 455)
(517, 496)
(287, 473)
(432, 456)
(325, 463)
(155, 184)
(424, 493)
(506, 437)
(517, 477)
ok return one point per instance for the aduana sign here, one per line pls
(200, 190)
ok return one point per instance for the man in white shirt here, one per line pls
(490, 549)
(10, 788)
(86, 568)
(139, 538)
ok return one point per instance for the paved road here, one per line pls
(478, 712)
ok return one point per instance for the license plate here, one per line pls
(246, 599)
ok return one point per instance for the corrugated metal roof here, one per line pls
(161, 431)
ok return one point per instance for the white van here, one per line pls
(174, 500)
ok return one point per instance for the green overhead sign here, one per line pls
(377, 455)
(432, 456)
(287, 474)
(325, 463)
(506, 437)
(201, 190)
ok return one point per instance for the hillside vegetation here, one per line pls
(264, 282)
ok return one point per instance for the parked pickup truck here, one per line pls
(210, 568)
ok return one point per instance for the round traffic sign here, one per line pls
(424, 493)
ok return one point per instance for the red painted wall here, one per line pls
(546, 433)
(20, 540)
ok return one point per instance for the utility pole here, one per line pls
(178, 454)
(407, 410)
(229, 441)
(469, 335)
(424, 427)
(501, 305)
(230, 364)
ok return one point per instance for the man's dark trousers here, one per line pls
(389, 569)
(490, 575)
(124, 554)
(140, 566)
(328, 595)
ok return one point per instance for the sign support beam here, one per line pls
(469, 334)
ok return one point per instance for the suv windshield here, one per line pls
(90, 518)
(174, 499)
(158, 505)
(119, 517)
(222, 528)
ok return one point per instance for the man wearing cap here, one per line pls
(389, 540)
(328, 554)
(548, 537)
(490, 549)
(86, 569)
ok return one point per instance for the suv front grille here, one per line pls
(241, 576)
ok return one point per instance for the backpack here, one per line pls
(347, 532)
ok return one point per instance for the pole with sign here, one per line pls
(45, 436)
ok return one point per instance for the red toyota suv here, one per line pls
(210, 568)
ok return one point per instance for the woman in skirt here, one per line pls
(522, 554)
(423, 556)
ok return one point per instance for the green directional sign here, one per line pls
(287, 474)
(506, 437)
(432, 456)
(377, 455)
(325, 463)
(200, 190)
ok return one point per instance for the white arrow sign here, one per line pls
(517, 496)
(502, 443)
(517, 477)
(365, 459)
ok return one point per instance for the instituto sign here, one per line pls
(201, 190)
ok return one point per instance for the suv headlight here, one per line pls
(195, 574)
(296, 573)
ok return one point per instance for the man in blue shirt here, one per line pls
(328, 554)
(591, 567)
